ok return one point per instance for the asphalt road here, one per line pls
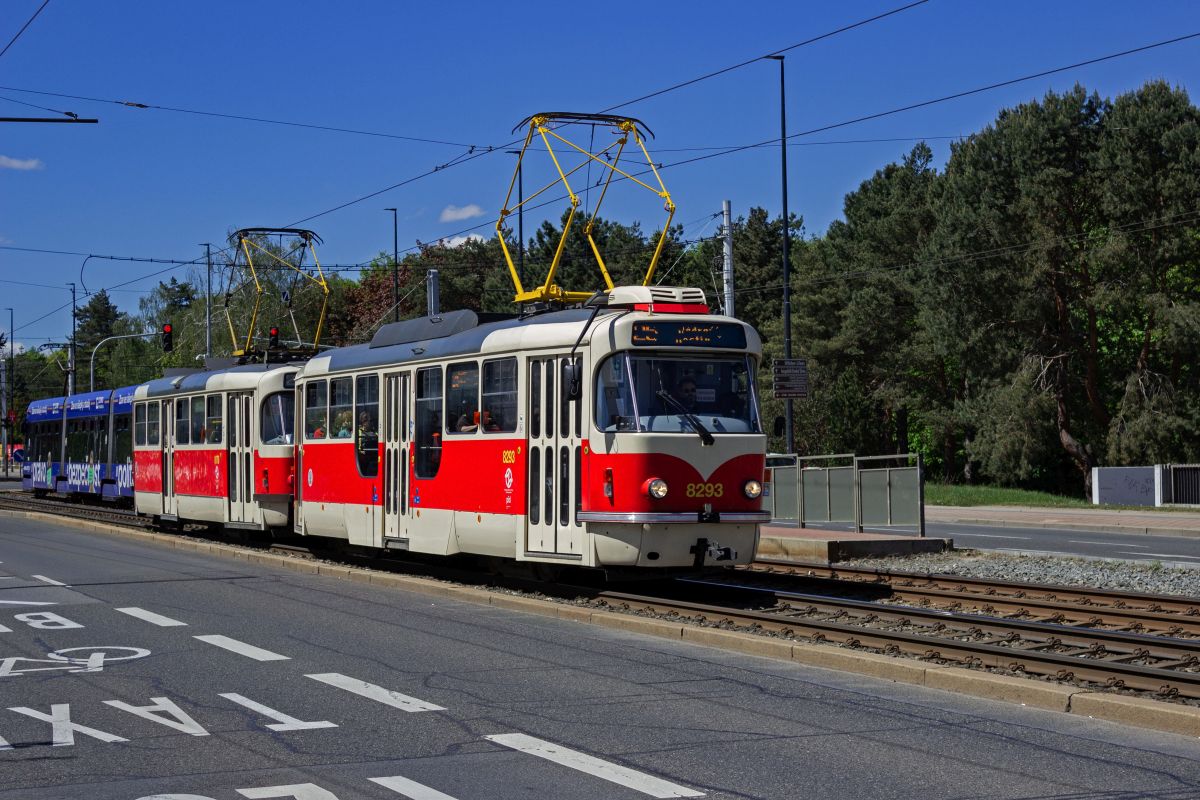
(132, 671)
(1176, 550)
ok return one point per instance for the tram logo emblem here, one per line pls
(310, 477)
(508, 479)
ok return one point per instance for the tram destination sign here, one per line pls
(789, 378)
(688, 334)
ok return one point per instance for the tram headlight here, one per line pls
(656, 488)
(752, 489)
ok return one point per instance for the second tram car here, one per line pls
(216, 447)
(625, 435)
(80, 445)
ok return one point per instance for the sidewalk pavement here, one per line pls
(1160, 523)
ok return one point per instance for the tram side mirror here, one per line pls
(572, 379)
(778, 425)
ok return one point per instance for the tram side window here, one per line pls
(199, 430)
(99, 441)
(152, 423)
(341, 409)
(315, 412)
(366, 431)
(213, 419)
(77, 440)
(122, 439)
(182, 429)
(500, 395)
(429, 422)
(139, 424)
(462, 398)
(276, 420)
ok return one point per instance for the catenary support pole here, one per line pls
(433, 300)
(789, 431)
(71, 351)
(395, 267)
(727, 231)
(208, 302)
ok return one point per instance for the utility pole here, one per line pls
(12, 382)
(727, 213)
(789, 431)
(71, 352)
(4, 411)
(433, 300)
(395, 269)
(208, 302)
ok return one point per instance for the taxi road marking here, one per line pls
(376, 693)
(151, 617)
(629, 778)
(410, 789)
(50, 581)
(241, 648)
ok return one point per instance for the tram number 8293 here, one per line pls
(705, 490)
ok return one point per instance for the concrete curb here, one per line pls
(1185, 533)
(831, 550)
(1122, 709)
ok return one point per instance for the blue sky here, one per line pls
(153, 183)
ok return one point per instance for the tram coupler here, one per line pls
(712, 550)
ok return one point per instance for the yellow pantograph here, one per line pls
(248, 248)
(547, 127)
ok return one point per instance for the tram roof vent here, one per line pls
(662, 299)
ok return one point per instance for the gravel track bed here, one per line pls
(1152, 577)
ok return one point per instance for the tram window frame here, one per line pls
(152, 424)
(499, 375)
(214, 423)
(182, 421)
(267, 419)
(198, 411)
(366, 439)
(466, 417)
(535, 399)
(99, 440)
(428, 441)
(122, 438)
(341, 415)
(139, 424)
(316, 391)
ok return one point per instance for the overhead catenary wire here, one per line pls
(28, 22)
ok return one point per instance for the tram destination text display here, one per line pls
(688, 334)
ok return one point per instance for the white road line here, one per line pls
(151, 617)
(241, 648)
(1165, 555)
(373, 692)
(50, 581)
(623, 776)
(1037, 552)
(26, 603)
(1109, 544)
(410, 789)
(992, 536)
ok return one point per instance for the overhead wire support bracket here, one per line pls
(545, 125)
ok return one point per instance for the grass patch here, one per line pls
(948, 494)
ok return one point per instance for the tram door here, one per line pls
(240, 459)
(554, 459)
(397, 437)
(167, 421)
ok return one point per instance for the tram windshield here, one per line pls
(676, 394)
(278, 411)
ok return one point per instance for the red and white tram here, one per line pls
(216, 447)
(625, 435)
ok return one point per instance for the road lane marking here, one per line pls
(283, 722)
(26, 603)
(1165, 555)
(50, 581)
(373, 692)
(410, 789)
(241, 648)
(623, 776)
(63, 730)
(295, 791)
(1107, 544)
(176, 718)
(992, 536)
(151, 617)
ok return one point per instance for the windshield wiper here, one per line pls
(686, 416)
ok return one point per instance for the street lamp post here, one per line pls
(395, 269)
(520, 216)
(92, 369)
(789, 430)
(12, 381)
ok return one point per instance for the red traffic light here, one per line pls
(167, 328)
(274, 331)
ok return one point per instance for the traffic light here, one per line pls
(274, 340)
(168, 338)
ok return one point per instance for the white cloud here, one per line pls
(30, 163)
(459, 241)
(453, 213)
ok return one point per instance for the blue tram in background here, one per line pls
(81, 445)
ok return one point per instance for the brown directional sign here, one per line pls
(789, 378)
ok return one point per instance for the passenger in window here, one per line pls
(491, 422)
(368, 437)
(342, 425)
(468, 422)
(685, 393)
(214, 432)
